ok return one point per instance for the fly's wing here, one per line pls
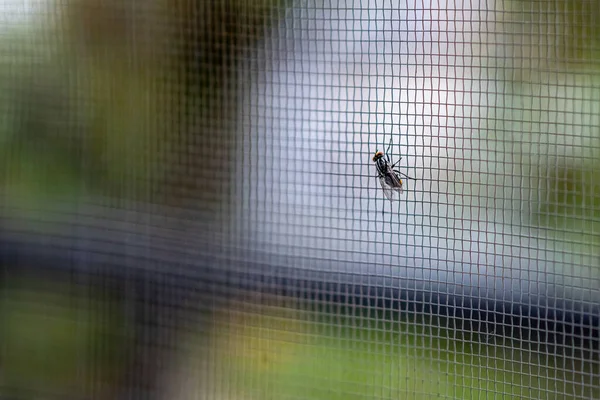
(391, 185)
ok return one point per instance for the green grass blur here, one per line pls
(279, 353)
(59, 339)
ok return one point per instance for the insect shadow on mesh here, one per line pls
(389, 177)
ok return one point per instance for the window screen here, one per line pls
(299, 199)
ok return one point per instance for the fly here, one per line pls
(389, 178)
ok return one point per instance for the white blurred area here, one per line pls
(475, 119)
(21, 13)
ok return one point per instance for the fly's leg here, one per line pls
(396, 163)
(387, 151)
(389, 145)
(404, 175)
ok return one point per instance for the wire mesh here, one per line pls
(191, 207)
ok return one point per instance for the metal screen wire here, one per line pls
(191, 207)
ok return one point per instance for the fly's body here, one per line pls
(389, 178)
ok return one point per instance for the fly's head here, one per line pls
(378, 155)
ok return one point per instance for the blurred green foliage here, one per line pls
(73, 125)
(37, 145)
(123, 100)
(280, 353)
(59, 339)
(570, 204)
(572, 23)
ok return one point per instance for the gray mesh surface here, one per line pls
(190, 209)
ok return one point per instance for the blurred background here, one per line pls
(189, 210)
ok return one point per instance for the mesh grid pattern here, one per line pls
(190, 207)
